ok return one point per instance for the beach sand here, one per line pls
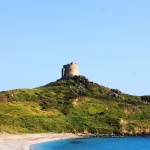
(23, 141)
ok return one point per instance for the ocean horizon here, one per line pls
(96, 143)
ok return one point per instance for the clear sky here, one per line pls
(108, 39)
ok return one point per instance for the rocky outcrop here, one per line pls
(146, 98)
(78, 79)
(116, 93)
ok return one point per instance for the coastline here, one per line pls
(116, 135)
(24, 141)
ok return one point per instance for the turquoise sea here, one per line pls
(118, 143)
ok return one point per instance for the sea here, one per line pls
(115, 143)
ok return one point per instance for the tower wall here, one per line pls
(73, 69)
(70, 70)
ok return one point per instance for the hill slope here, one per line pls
(74, 105)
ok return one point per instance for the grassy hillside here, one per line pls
(73, 105)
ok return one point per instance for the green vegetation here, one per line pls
(73, 105)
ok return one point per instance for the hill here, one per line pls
(74, 104)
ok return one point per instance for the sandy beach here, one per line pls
(23, 141)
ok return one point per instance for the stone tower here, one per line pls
(70, 70)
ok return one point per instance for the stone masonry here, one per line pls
(70, 70)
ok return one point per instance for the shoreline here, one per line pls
(114, 135)
(24, 141)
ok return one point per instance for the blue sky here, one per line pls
(109, 40)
